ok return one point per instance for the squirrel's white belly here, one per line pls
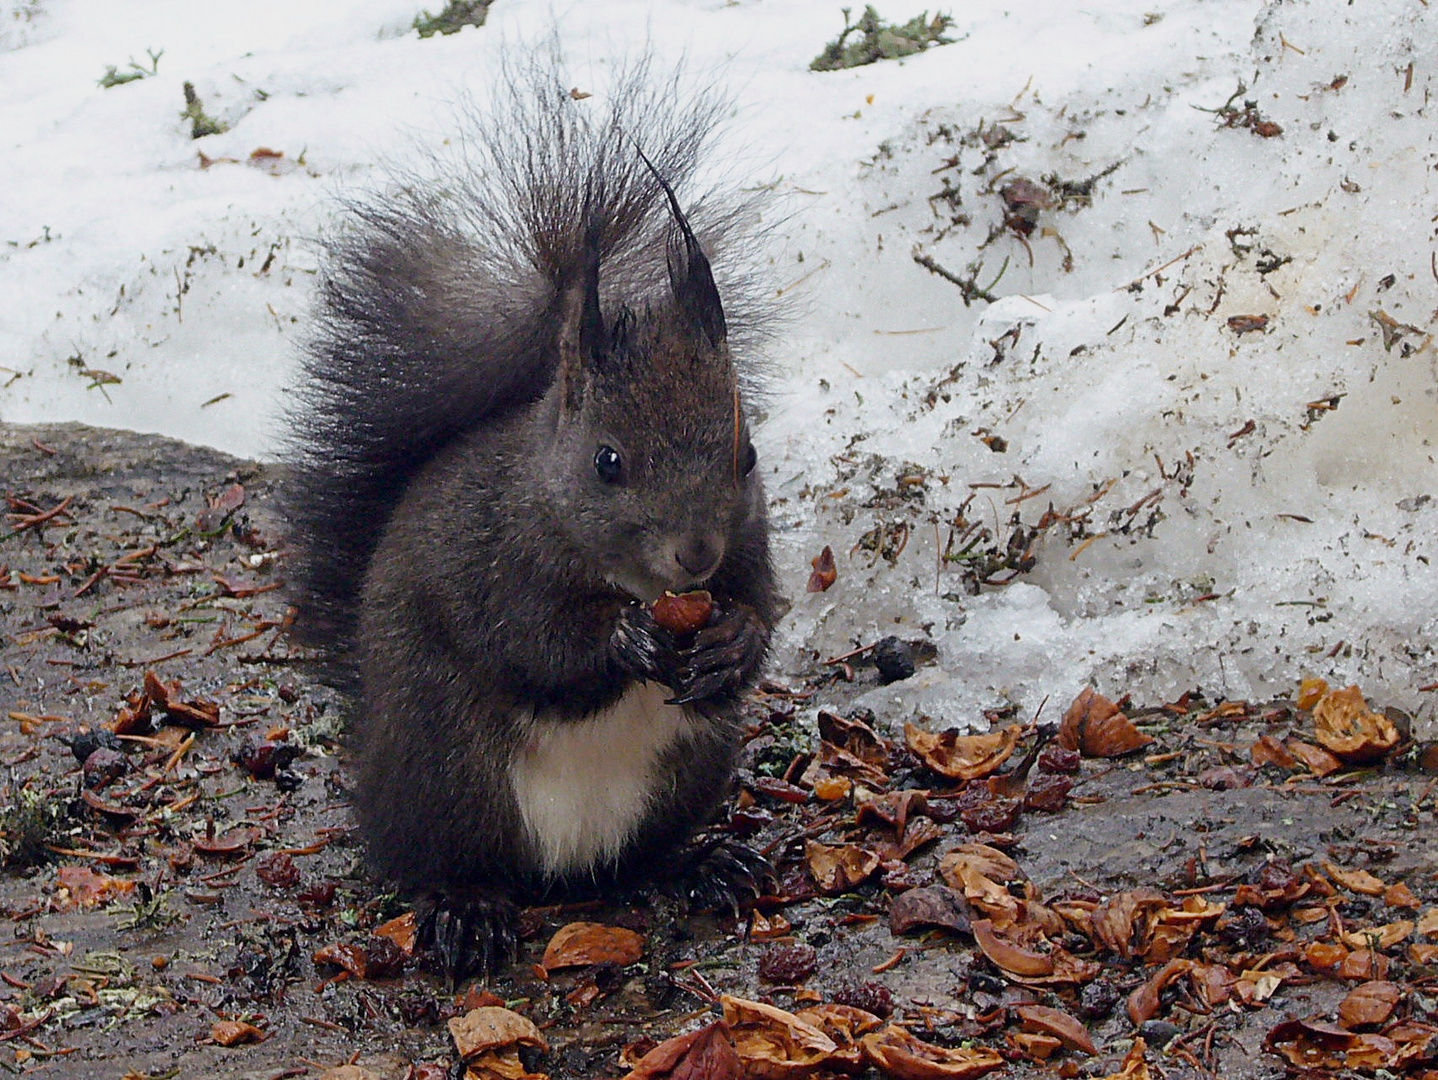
(583, 786)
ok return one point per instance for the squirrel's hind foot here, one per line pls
(469, 937)
(720, 874)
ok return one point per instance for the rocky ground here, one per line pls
(1193, 888)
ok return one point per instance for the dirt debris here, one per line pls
(1244, 890)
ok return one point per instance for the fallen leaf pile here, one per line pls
(758, 1041)
(1164, 953)
(1160, 953)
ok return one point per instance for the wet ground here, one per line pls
(177, 885)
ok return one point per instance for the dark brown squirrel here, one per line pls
(524, 416)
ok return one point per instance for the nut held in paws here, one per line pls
(685, 613)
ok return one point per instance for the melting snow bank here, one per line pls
(1164, 368)
(1212, 471)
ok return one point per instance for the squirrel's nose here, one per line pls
(698, 555)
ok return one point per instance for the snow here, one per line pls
(1222, 528)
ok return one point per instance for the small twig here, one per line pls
(891, 963)
(850, 654)
(1158, 269)
(32, 520)
(969, 289)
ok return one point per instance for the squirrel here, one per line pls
(524, 415)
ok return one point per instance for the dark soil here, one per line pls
(170, 884)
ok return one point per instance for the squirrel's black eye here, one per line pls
(749, 460)
(608, 465)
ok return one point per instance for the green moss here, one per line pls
(201, 124)
(115, 77)
(879, 40)
(456, 15)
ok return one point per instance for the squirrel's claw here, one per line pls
(722, 659)
(721, 874)
(475, 937)
(642, 646)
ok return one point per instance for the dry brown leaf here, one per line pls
(981, 891)
(1324, 956)
(834, 760)
(1096, 727)
(1269, 751)
(1256, 986)
(846, 1025)
(1009, 955)
(854, 737)
(1364, 964)
(581, 943)
(1056, 1022)
(1212, 983)
(1277, 886)
(825, 573)
(1423, 954)
(929, 906)
(1135, 1064)
(1124, 922)
(1399, 895)
(706, 1054)
(236, 1033)
(1428, 923)
(1345, 725)
(919, 832)
(1143, 1003)
(1369, 1004)
(234, 844)
(1315, 1044)
(1194, 909)
(1359, 881)
(963, 757)
(1310, 1044)
(901, 1056)
(347, 957)
(401, 930)
(774, 1044)
(491, 1027)
(500, 1065)
(893, 809)
(1310, 692)
(1068, 969)
(1379, 937)
(832, 788)
(1317, 760)
(838, 869)
(82, 887)
(768, 927)
(842, 1023)
(981, 859)
(1414, 1043)
(1034, 1046)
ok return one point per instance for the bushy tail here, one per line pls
(439, 295)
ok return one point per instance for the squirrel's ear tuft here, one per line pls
(693, 282)
(581, 336)
(690, 277)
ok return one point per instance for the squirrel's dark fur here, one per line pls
(522, 418)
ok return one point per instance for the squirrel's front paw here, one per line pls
(724, 657)
(642, 646)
